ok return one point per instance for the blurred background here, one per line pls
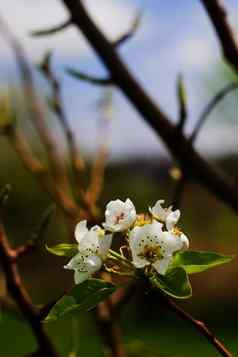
(173, 38)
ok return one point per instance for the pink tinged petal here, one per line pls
(119, 215)
(80, 230)
(80, 277)
(161, 266)
(172, 219)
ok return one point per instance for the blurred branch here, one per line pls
(20, 295)
(227, 38)
(90, 79)
(130, 33)
(210, 106)
(41, 173)
(58, 169)
(52, 30)
(6, 305)
(191, 162)
(75, 159)
(36, 235)
(59, 186)
(199, 326)
(98, 167)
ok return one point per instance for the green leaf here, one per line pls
(195, 262)
(82, 297)
(63, 249)
(174, 283)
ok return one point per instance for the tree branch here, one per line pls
(181, 183)
(52, 30)
(130, 33)
(224, 31)
(191, 162)
(210, 106)
(76, 160)
(19, 294)
(199, 325)
(36, 114)
(88, 78)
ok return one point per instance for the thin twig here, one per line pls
(181, 183)
(210, 106)
(130, 33)
(88, 78)
(199, 325)
(52, 30)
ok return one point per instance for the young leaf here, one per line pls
(82, 297)
(63, 249)
(174, 283)
(195, 262)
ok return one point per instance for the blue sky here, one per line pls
(174, 37)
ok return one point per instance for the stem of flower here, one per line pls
(119, 257)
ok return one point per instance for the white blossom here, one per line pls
(92, 250)
(150, 245)
(166, 215)
(119, 215)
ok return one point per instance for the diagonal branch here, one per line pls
(191, 162)
(224, 31)
(199, 325)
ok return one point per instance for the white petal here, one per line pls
(139, 262)
(93, 264)
(80, 277)
(129, 204)
(140, 237)
(89, 244)
(80, 230)
(161, 266)
(104, 245)
(112, 227)
(158, 211)
(172, 219)
(170, 243)
(76, 263)
(185, 241)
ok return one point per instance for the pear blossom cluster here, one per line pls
(151, 240)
